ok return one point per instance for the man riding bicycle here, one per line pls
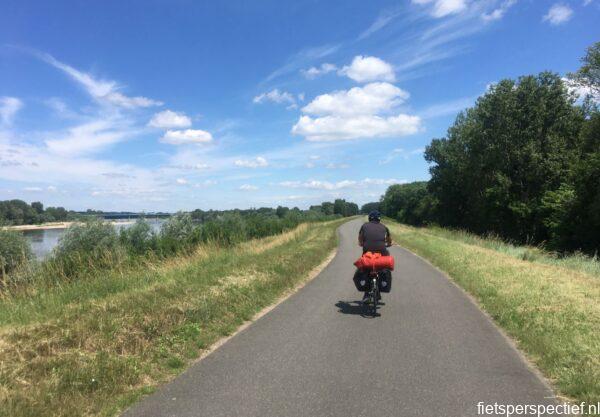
(374, 237)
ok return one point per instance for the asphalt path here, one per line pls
(430, 352)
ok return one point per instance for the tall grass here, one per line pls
(90, 248)
(14, 253)
(576, 261)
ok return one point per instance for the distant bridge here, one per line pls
(126, 215)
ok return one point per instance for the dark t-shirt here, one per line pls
(374, 236)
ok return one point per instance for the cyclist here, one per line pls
(374, 236)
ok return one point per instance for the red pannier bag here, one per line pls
(375, 261)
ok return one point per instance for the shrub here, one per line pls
(90, 245)
(14, 251)
(139, 238)
(177, 233)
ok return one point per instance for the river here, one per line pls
(43, 241)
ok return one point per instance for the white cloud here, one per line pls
(181, 181)
(368, 68)
(276, 96)
(170, 119)
(369, 99)
(248, 187)
(104, 91)
(9, 106)
(32, 189)
(188, 136)
(258, 162)
(499, 12)
(399, 152)
(333, 165)
(205, 183)
(88, 138)
(443, 8)
(587, 2)
(314, 72)
(331, 128)
(331, 186)
(558, 14)
(356, 113)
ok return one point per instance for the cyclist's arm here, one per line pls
(361, 238)
(388, 237)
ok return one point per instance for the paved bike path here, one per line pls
(430, 353)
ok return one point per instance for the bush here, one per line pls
(14, 251)
(91, 236)
(139, 238)
(177, 233)
(93, 244)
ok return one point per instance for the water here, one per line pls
(43, 241)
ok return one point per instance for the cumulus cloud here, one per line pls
(9, 106)
(558, 14)
(181, 181)
(331, 186)
(369, 99)
(248, 187)
(368, 68)
(187, 136)
(170, 119)
(258, 162)
(104, 91)
(442, 8)
(356, 113)
(330, 128)
(314, 72)
(276, 96)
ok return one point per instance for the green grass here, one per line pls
(576, 261)
(550, 306)
(94, 346)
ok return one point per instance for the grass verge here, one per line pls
(552, 311)
(93, 347)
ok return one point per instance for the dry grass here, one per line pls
(552, 312)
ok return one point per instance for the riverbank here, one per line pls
(56, 225)
(549, 305)
(94, 345)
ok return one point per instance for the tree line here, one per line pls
(17, 212)
(523, 163)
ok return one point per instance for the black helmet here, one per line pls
(374, 215)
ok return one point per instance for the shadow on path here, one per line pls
(354, 307)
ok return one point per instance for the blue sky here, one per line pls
(176, 105)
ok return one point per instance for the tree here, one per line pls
(589, 73)
(408, 203)
(327, 208)
(281, 211)
(351, 209)
(369, 207)
(38, 207)
(501, 157)
(339, 207)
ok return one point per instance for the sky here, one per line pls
(166, 105)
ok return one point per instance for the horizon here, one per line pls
(188, 106)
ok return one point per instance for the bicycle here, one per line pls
(374, 293)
